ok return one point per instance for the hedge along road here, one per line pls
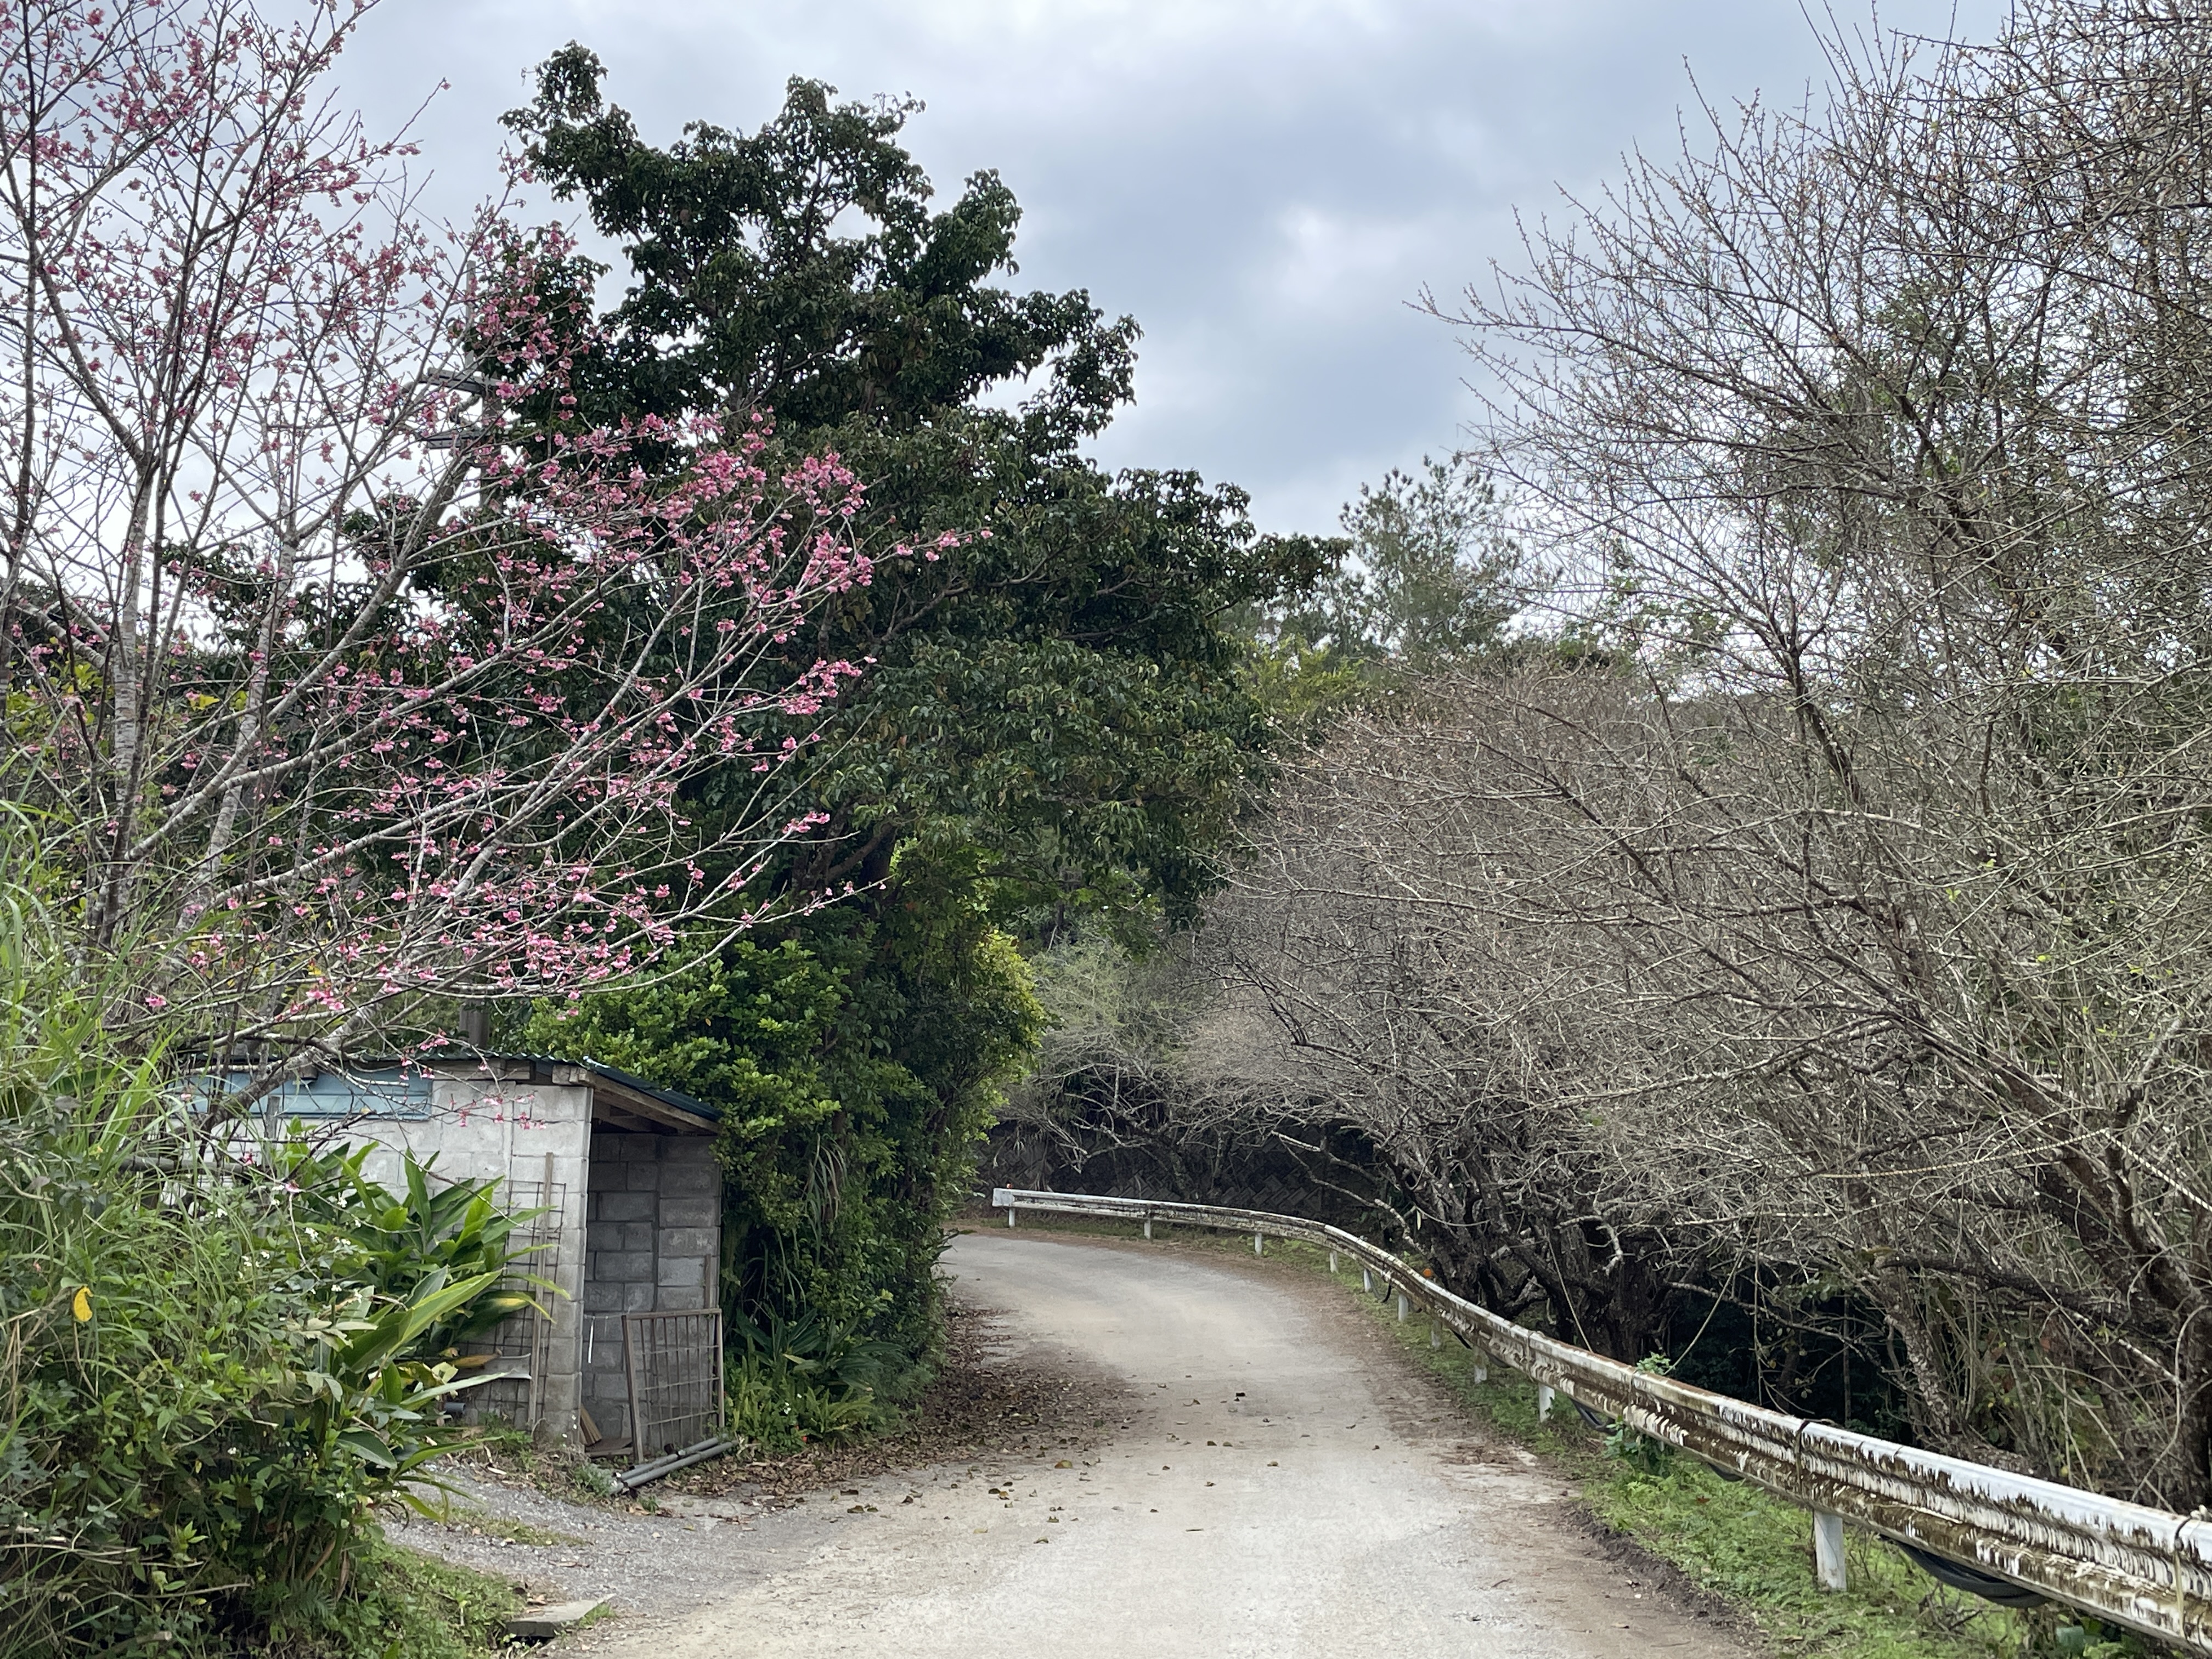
(1285, 1485)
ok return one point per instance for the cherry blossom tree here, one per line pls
(335, 699)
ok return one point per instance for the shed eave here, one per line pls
(613, 1092)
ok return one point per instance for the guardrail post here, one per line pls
(1010, 1215)
(1401, 1306)
(1256, 1250)
(1828, 1550)
(1331, 1262)
(1544, 1398)
(1481, 1366)
(1148, 1226)
(1366, 1279)
(1435, 1337)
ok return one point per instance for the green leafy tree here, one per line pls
(1061, 690)
(1055, 726)
(854, 1074)
(1426, 576)
(1436, 576)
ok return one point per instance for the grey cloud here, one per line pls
(1264, 187)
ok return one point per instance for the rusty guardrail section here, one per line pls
(2143, 1569)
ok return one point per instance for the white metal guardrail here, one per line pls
(2142, 1569)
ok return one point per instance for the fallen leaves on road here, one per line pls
(980, 1406)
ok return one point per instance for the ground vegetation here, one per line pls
(217, 1369)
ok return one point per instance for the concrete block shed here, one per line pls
(624, 1172)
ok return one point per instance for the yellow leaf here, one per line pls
(82, 1306)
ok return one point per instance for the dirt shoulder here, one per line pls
(691, 1539)
(990, 1400)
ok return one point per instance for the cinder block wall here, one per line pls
(653, 1241)
(481, 1124)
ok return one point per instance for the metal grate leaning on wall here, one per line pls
(522, 1344)
(674, 1361)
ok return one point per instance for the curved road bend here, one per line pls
(1285, 1487)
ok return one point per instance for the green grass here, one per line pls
(1750, 1550)
(415, 1606)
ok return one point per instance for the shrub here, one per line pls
(204, 1391)
(855, 1073)
(805, 1380)
(402, 1239)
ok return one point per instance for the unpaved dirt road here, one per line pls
(1284, 1486)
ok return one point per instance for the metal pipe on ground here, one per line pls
(644, 1473)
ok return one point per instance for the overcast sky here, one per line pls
(1264, 185)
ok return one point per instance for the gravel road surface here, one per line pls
(1277, 1484)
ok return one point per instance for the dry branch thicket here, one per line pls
(1850, 916)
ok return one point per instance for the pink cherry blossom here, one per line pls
(301, 631)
